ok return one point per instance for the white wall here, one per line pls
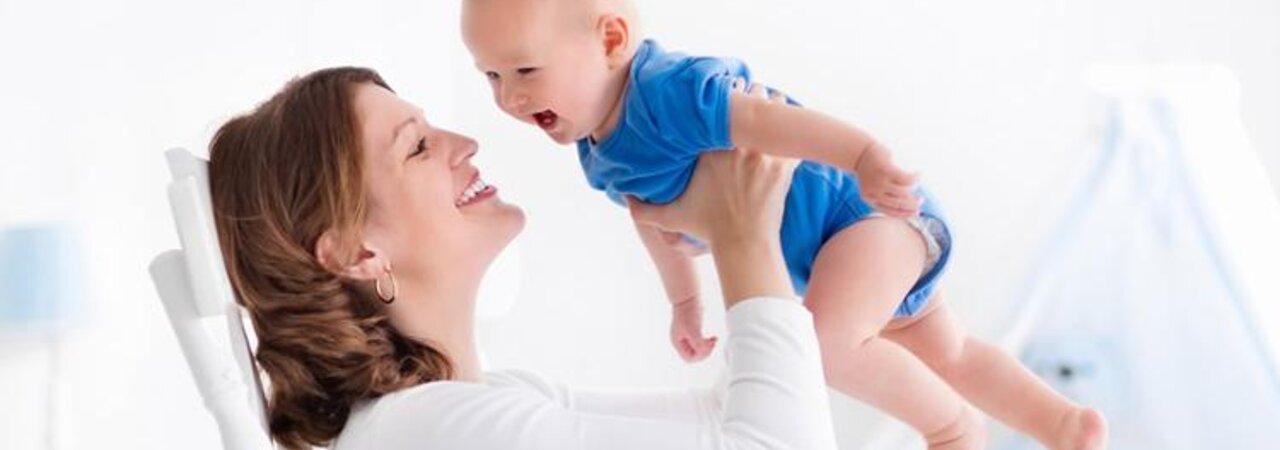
(986, 98)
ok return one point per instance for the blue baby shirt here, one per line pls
(674, 108)
(677, 106)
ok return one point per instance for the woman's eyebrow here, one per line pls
(395, 134)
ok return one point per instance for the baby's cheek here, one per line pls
(584, 101)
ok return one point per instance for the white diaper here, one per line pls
(932, 231)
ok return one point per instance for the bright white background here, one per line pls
(986, 98)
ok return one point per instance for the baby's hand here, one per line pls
(885, 186)
(686, 331)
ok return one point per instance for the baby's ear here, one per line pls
(615, 34)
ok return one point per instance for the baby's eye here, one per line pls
(491, 75)
(526, 70)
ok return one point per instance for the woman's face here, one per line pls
(429, 210)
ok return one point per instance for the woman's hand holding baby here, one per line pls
(734, 202)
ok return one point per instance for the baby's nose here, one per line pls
(515, 102)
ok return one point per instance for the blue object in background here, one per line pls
(1137, 311)
(40, 273)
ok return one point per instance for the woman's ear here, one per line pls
(367, 265)
(615, 33)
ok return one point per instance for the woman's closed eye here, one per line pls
(421, 149)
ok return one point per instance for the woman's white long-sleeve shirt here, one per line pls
(775, 399)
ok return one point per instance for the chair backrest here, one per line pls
(193, 287)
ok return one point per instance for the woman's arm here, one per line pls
(776, 396)
(775, 399)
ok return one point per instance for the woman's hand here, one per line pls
(683, 243)
(733, 195)
(734, 202)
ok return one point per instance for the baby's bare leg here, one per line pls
(996, 382)
(858, 280)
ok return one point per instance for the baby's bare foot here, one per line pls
(1082, 429)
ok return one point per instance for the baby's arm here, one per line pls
(786, 130)
(680, 281)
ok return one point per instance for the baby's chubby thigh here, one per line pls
(862, 275)
(822, 202)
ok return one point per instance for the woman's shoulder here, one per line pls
(447, 394)
(445, 410)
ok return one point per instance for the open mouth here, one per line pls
(546, 119)
(475, 192)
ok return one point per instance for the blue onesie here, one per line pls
(677, 106)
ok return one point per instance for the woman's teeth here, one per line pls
(476, 188)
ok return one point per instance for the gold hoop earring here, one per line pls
(377, 286)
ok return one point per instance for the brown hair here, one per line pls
(281, 176)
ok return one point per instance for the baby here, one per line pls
(863, 244)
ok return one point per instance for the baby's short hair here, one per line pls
(588, 11)
(594, 9)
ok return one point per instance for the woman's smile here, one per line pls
(476, 191)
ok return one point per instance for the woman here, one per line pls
(356, 235)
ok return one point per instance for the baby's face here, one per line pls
(545, 66)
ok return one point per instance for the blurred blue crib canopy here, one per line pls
(1140, 304)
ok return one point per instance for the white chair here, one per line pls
(194, 289)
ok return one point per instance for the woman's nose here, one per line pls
(463, 148)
